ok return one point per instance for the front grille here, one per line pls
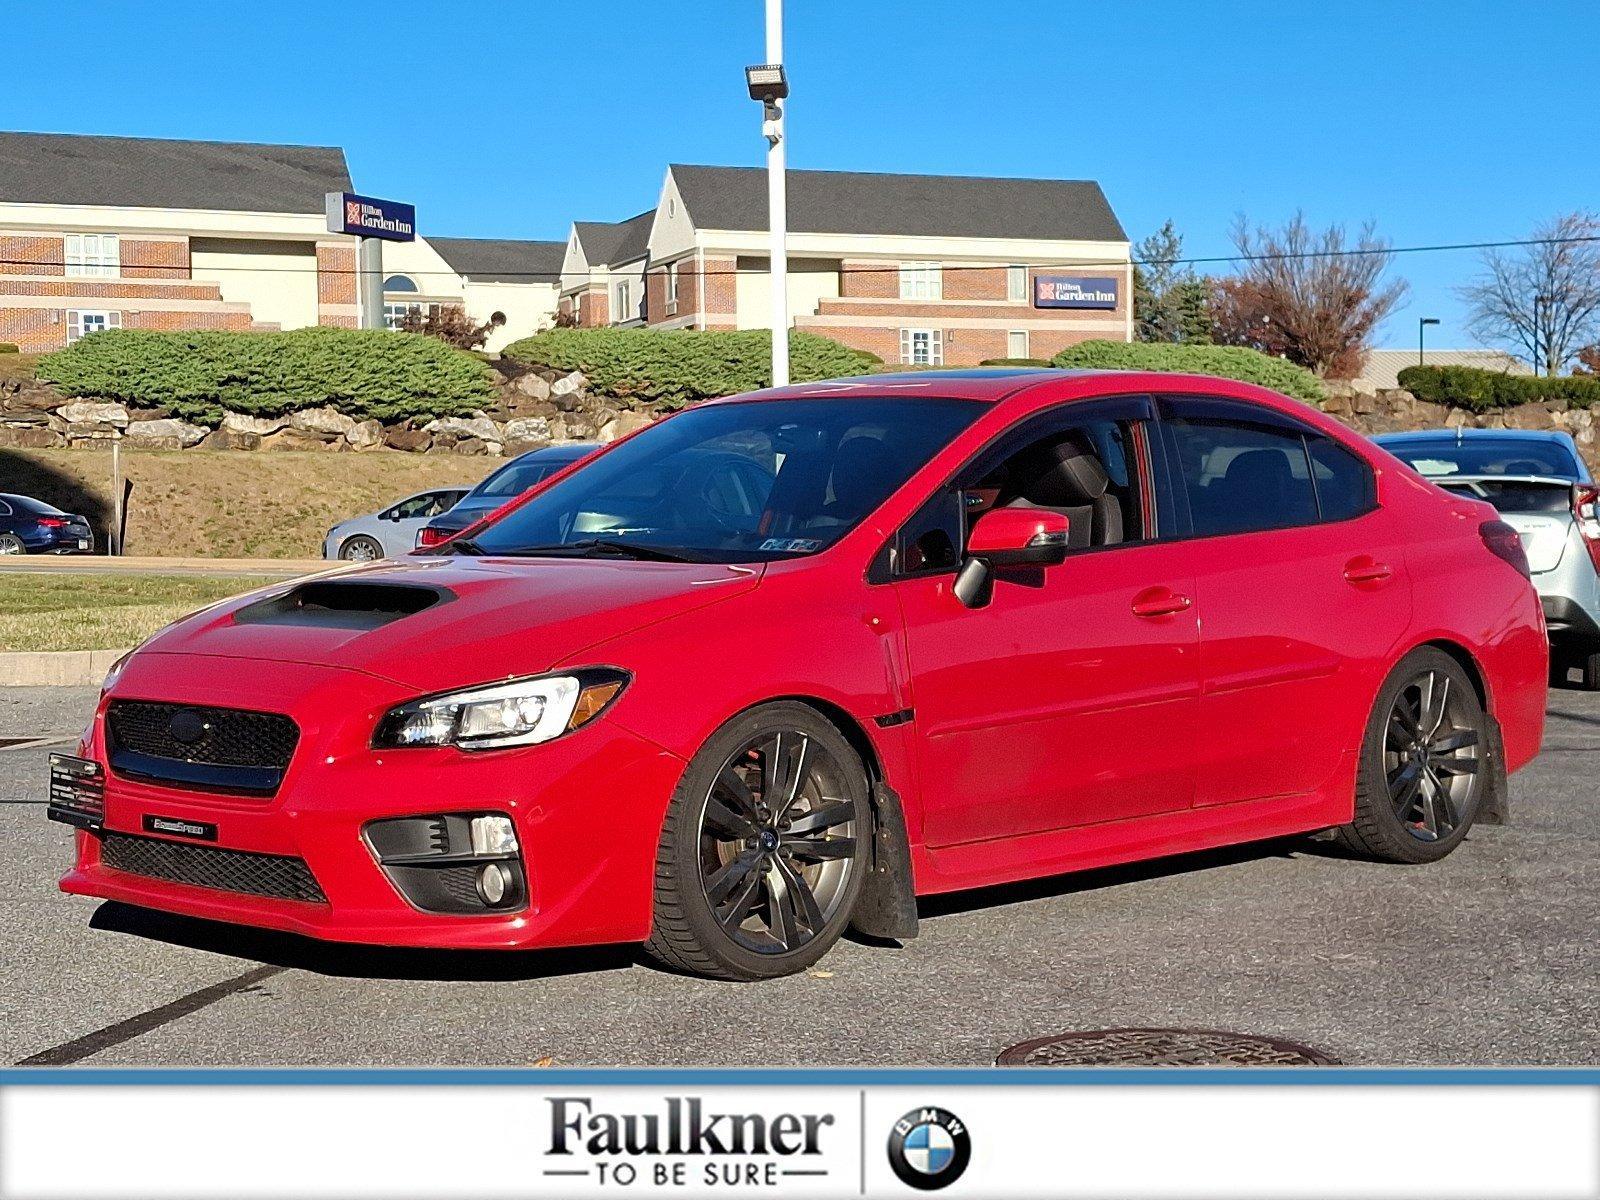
(274, 875)
(223, 749)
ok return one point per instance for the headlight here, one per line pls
(519, 713)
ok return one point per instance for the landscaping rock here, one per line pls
(623, 424)
(533, 386)
(299, 439)
(164, 434)
(30, 437)
(472, 445)
(93, 412)
(326, 421)
(231, 439)
(516, 446)
(401, 437)
(527, 429)
(480, 428)
(240, 423)
(365, 435)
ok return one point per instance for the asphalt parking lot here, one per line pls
(1487, 958)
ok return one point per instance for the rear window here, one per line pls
(515, 478)
(34, 508)
(1485, 456)
(1515, 496)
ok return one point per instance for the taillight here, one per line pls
(427, 536)
(1504, 542)
(1586, 513)
(52, 522)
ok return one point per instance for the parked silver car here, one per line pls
(1543, 490)
(392, 531)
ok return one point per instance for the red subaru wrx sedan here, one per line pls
(782, 663)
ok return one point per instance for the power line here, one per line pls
(885, 269)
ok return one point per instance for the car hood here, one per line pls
(438, 623)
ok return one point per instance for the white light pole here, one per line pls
(770, 86)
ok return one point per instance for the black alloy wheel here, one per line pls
(1425, 763)
(763, 851)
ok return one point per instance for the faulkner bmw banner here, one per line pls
(1108, 1133)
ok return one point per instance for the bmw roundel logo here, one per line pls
(929, 1148)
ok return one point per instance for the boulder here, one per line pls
(93, 412)
(325, 421)
(78, 431)
(299, 439)
(365, 435)
(527, 429)
(261, 426)
(471, 445)
(515, 446)
(402, 437)
(576, 427)
(533, 386)
(480, 428)
(231, 439)
(30, 437)
(570, 384)
(1537, 415)
(164, 434)
(623, 424)
(30, 397)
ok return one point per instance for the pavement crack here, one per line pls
(151, 1019)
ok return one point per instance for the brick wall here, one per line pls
(31, 255)
(336, 275)
(30, 329)
(155, 259)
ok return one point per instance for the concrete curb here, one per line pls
(57, 668)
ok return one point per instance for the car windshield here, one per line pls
(1485, 456)
(746, 482)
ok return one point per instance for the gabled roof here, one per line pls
(497, 260)
(852, 202)
(610, 244)
(62, 168)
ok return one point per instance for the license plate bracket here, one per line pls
(77, 792)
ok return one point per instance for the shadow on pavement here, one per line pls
(357, 962)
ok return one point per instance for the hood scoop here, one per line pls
(339, 604)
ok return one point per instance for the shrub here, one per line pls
(680, 366)
(8, 348)
(1477, 390)
(362, 373)
(1014, 362)
(1229, 362)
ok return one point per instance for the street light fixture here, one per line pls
(769, 86)
(1422, 329)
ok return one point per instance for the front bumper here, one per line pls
(588, 810)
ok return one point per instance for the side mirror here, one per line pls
(1009, 537)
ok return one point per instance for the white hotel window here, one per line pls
(620, 300)
(1017, 344)
(922, 347)
(1017, 284)
(672, 288)
(94, 254)
(921, 281)
(83, 322)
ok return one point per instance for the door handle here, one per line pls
(1366, 569)
(1159, 602)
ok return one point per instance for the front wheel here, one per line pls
(1425, 763)
(360, 548)
(764, 848)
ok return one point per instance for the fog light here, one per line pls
(493, 835)
(494, 882)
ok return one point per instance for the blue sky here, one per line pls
(1446, 122)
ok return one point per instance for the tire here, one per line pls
(1450, 732)
(735, 866)
(1589, 664)
(10, 543)
(360, 548)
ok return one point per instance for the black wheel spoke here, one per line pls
(826, 817)
(1456, 739)
(799, 891)
(720, 885)
(1407, 774)
(782, 912)
(738, 910)
(1405, 797)
(1444, 813)
(725, 821)
(794, 776)
(737, 791)
(820, 849)
(1454, 766)
(771, 770)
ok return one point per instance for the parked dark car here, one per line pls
(510, 481)
(29, 526)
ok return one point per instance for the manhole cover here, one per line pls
(1160, 1048)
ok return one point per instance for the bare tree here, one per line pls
(1310, 297)
(1543, 299)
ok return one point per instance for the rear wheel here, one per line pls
(1589, 665)
(1424, 763)
(360, 548)
(10, 543)
(763, 851)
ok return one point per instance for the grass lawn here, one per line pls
(101, 612)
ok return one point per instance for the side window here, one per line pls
(1085, 472)
(1240, 477)
(1345, 484)
(931, 540)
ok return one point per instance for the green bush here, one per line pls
(680, 366)
(1014, 362)
(362, 373)
(8, 348)
(1477, 390)
(1230, 362)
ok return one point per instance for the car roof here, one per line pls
(966, 383)
(570, 452)
(1465, 434)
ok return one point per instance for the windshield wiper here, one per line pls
(596, 546)
(457, 546)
